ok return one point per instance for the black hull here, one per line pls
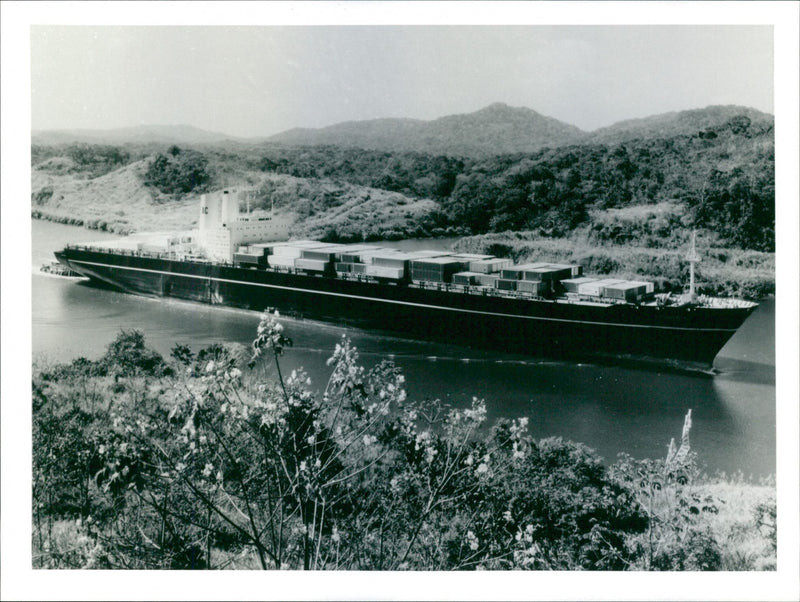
(531, 327)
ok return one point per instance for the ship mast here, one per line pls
(692, 257)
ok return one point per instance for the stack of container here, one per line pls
(384, 272)
(631, 291)
(466, 278)
(490, 265)
(506, 284)
(284, 254)
(435, 269)
(348, 255)
(534, 287)
(571, 285)
(547, 273)
(248, 258)
(596, 287)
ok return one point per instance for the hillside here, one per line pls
(493, 130)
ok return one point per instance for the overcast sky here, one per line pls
(256, 81)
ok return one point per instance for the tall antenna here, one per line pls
(692, 257)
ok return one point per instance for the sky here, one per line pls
(258, 81)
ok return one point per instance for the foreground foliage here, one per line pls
(219, 460)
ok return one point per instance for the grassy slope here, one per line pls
(120, 202)
(120, 199)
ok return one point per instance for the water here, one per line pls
(611, 409)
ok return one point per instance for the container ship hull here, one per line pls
(551, 328)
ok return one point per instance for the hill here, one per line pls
(493, 130)
(140, 134)
(681, 123)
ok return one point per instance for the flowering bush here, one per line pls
(209, 463)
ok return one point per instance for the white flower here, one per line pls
(210, 366)
(482, 468)
(472, 541)
(369, 440)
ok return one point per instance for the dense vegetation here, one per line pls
(219, 460)
(178, 171)
(720, 179)
(89, 160)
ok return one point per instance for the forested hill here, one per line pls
(716, 173)
(496, 129)
(683, 123)
(646, 182)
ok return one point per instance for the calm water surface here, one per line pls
(611, 409)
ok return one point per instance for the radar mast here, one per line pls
(693, 258)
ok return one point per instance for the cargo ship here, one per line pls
(538, 308)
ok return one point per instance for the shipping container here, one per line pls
(466, 278)
(575, 270)
(571, 285)
(249, 258)
(366, 256)
(486, 279)
(547, 273)
(391, 259)
(352, 253)
(536, 287)
(631, 291)
(321, 254)
(311, 265)
(595, 288)
(505, 284)
(359, 268)
(377, 271)
(489, 266)
(343, 267)
(265, 248)
(280, 261)
(435, 269)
